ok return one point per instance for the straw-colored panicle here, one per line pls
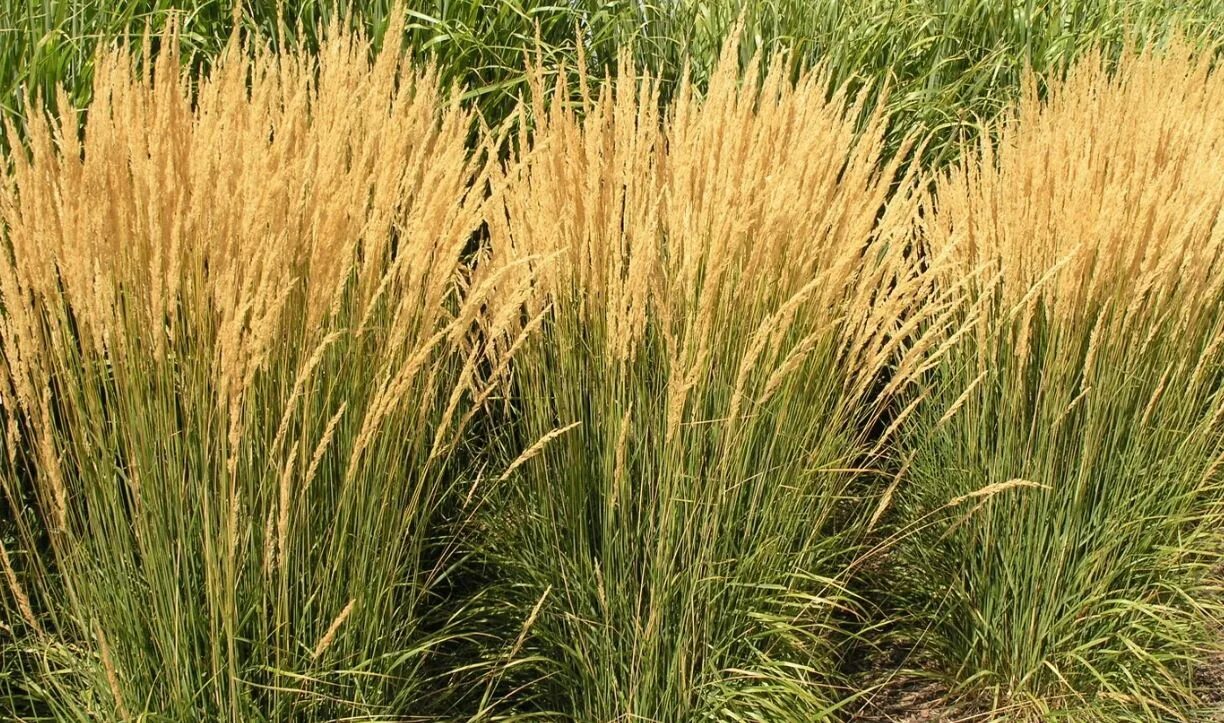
(275, 175)
(213, 209)
(1108, 187)
(752, 211)
(583, 203)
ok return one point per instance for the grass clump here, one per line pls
(241, 357)
(726, 306)
(1075, 444)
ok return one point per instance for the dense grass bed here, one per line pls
(612, 361)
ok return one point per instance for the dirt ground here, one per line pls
(1210, 682)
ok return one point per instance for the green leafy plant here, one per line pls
(951, 66)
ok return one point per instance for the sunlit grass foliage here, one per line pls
(563, 378)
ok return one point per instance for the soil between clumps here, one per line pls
(1209, 678)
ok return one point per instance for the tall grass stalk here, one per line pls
(1087, 398)
(726, 306)
(241, 359)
